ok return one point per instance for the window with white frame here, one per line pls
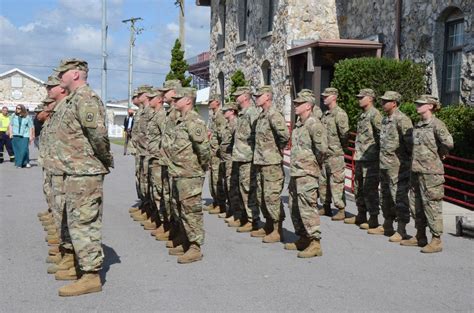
(454, 40)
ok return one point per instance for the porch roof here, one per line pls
(337, 44)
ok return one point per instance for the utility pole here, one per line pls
(133, 31)
(104, 55)
(180, 3)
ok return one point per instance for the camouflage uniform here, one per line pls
(431, 143)
(395, 154)
(331, 182)
(271, 137)
(83, 156)
(134, 138)
(242, 155)
(367, 149)
(216, 188)
(317, 113)
(189, 158)
(309, 145)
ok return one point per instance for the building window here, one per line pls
(17, 81)
(243, 17)
(454, 39)
(221, 25)
(220, 79)
(266, 73)
(268, 14)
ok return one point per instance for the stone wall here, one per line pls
(30, 94)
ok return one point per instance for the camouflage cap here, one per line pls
(263, 89)
(155, 92)
(366, 92)
(241, 90)
(391, 96)
(53, 80)
(47, 100)
(305, 95)
(135, 93)
(230, 106)
(72, 64)
(185, 92)
(144, 89)
(330, 92)
(214, 96)
(39, 108)
(429, 99)
(170, 84)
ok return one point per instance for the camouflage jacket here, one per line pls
(396, 141)
(136, 121)
(189, 150)
(140, 137)
(367, 143)
(216, 120)
(226, 140)
(46, 145)
(155, 132)
(309, 145)
(82, 144)
(431, 143)
(244, 141)
(336, 123)
(271, 137)
(317, 113)
(168, 134)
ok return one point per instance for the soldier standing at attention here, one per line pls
(242, 156)
(367, 150)
(83, 152)
(331, 182)
(309, 145)
(189, 159)
(431, 143)
(271, 137)
(395, 155)
(216, 188)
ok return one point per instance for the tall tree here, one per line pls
(178, 66)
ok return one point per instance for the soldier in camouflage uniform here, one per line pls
(271, 137)
(331, 182)
(431, 143)
(189, 159)
(367, 150)
(169, 90)
(242, 156)
(82, 154)
(216, 188)
(395, 155)
(133, 151)
(309, 145)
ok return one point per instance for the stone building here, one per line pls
(294, 44)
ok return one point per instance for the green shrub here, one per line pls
(410, 110)
(379, 74)
(460, 121)
(237, 80)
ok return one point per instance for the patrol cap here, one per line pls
(144, 89)
(135, 93)
(170, 84)
(230, 106)
(391, 96)
(72, 64)
(214, 96)
(185, 92)
(40, 107)
(305, 95)
(241, 90)
(330, 92)
(53, 80)
(429, 99)
(366, 92)
(47, 100)
(263, 89)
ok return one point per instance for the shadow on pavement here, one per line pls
(110, 257)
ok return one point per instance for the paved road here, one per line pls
(358, 272)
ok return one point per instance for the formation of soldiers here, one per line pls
(74, 152)
(243, 148)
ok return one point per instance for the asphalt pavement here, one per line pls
(357, 272)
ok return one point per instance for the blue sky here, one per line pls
(36, 34)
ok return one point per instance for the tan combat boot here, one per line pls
(48, 222)
(53, 241)
(373, 222)
(70, 274)
(88, 283)
(419, 240)
(53, 258)
(275, 235)
(46, 217)
(49, 227)
(133, 209)
(360, 218)
(50, 237)
(325, 210)
(228, 219)
(179, 250)
(207, 207)
(234, 223)
(52, 231)
(193, 254)
(41, 214)
(300, 244)
(313, 249)
(340, 215)
(163, 236)
(140, 218)
(53, 250)
(222, 215)
(400, 234)
(262, 232)
(67, 261)
(246, 228)
(434, 246)
(159, 230)
(215, 210)
(150, 225)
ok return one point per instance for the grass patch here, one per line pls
(118, 141)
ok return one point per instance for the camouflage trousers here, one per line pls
(143, 182)
(426, 201)
(228, 173)
(366, 187)
(170, 205)
(331, 182)
(47, 189)
(270, 180)
(57, 191)
(137, 176)
(155, 171)
(216, 184)
(303, 206)
(245, 180)
(186, 192)
(394, 186)
(82, 220)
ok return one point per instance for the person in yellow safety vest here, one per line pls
(4, 136)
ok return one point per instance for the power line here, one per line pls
(94, 68)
